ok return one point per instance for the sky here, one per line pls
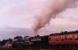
(22, 14)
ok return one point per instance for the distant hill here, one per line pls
(12, 32)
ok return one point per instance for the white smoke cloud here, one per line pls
(67, 20)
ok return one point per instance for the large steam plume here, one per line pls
(52, 7)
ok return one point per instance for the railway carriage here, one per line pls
(63, 38)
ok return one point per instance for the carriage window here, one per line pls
(72, 37)
(76, 37)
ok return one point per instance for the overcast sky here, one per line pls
(20, 13)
